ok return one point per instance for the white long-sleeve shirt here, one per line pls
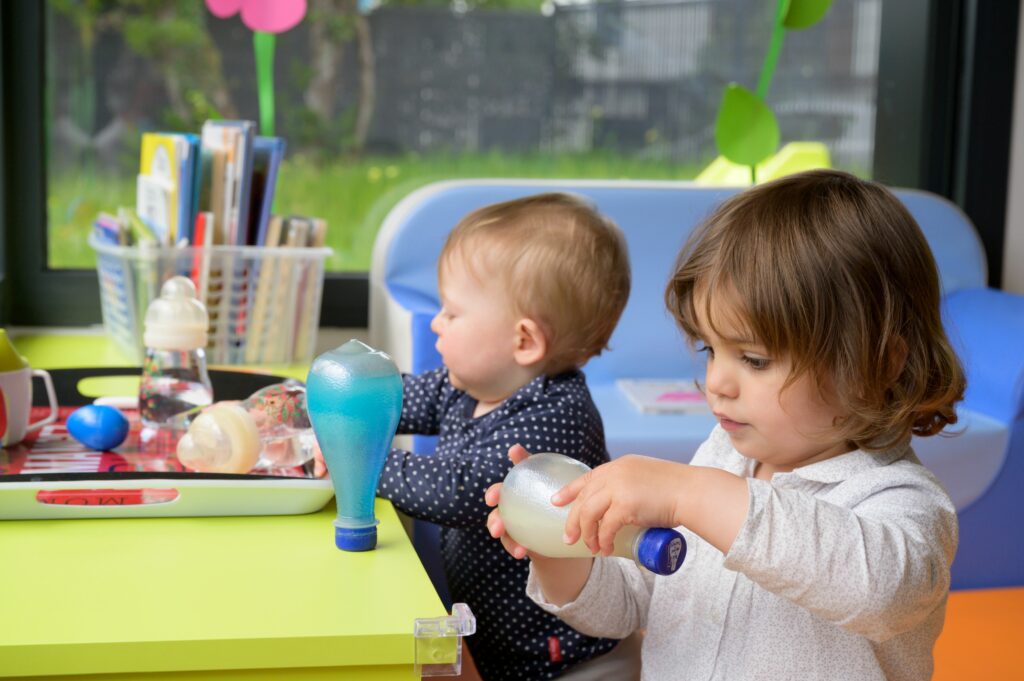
(840, 571)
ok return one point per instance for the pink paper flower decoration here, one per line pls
(268, 16)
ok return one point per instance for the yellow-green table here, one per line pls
(266, 597)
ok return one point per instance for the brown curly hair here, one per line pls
(833, 272)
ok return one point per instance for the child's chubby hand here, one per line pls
(631, 490)
(494, 523)
(319, 465)
(561, 579)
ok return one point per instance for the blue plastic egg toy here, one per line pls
(98, 426)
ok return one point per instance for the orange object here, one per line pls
(983, 637)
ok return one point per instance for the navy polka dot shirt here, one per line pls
(515, 639)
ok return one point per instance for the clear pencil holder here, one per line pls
(263, 303)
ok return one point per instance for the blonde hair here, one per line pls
(834, 273)
(563, 264)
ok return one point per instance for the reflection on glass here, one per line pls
(378, 102)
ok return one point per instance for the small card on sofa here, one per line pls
(664, 395)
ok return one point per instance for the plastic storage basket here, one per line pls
(264, 303)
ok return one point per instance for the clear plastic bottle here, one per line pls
(533, 521)
(174, 376)
(270, 429)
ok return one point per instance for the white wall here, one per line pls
(1013, 253)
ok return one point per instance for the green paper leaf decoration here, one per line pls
(746, 131)
(805, 13)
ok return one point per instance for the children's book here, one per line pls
(213, 193)
(204, 191)
(267, 153)
(114, 277)
(255, 348)
(212, 201)
(157, 197)
(281, 327)
(155, 204)
(189, 172)
(308, 287)
(229, 143)
(145, 285)
(673, 396)
(203, 238)
(165, 187)
(139, 232)
(226, 152)
(108, 230)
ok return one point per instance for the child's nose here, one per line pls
(435, 324)
(720, 380)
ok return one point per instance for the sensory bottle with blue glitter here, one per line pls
(354, 398)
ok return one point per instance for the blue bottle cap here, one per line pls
(661, 550)
(355, 538)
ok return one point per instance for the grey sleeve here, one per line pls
(877, 569)
(612, 604)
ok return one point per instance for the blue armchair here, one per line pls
(982, 467)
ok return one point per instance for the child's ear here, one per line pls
(531, 342)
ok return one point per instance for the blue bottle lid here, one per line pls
(661, 550)
(355, 538)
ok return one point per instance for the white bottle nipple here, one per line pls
(222, 439)
(176, 320)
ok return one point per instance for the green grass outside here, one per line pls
(353, 196)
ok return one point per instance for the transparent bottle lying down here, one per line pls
(533, 521)
(269, 429)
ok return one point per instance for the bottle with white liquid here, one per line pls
(533, 521)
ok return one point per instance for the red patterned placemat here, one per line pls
(51, 452)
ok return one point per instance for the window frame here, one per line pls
(4, 277)
(943, 123)
(35, 294)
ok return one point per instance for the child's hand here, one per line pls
(561, 579)
(632, 490)
(319, 465)
(494, 523)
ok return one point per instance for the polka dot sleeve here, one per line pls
(448, 487)
(423, 396)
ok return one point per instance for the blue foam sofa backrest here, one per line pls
(656, 217)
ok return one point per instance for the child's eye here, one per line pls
(756, 363)
(706, 348)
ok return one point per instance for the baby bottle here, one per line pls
(174, 378)
(269, 429)
(355, 401)
(533, 521)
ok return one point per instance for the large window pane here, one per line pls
(376, 104)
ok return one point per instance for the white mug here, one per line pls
(16, 404)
